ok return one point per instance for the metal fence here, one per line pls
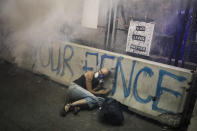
(174, 40)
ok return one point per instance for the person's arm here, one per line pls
(106, 91)
(99, 87)
(89, 77)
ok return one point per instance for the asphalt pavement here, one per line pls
(30, 102)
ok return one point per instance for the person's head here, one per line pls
(100, 74)
(104, 71)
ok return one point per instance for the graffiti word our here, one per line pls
(51, 60)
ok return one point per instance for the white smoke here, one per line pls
(36, 22)
(27, 24)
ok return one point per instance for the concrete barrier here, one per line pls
(149, 88)
(152, 89)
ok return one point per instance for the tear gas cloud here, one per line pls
(30, 23)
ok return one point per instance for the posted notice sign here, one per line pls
(139, 37)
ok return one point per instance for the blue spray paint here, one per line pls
(105, 56)
(41, 61)
(125, 89)
(57, 69)
(160, 89)
(85, 67)
(148, 71)
(65, 60)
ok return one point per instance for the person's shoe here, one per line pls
(63, 112)
(76, 109)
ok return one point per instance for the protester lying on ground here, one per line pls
(86, 91)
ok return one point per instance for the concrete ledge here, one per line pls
(152, 88)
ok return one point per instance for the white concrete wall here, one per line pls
(134, 82)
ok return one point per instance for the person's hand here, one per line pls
(98, 88)
(101, 92)
(106, 91)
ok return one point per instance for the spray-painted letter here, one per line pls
(105, 56)
(126, 90)
(160, 89)
(148, 71)
(85, 67)
(52, 60)
(65, 60)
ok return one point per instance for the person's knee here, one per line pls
(92, 102)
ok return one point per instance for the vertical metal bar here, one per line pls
(176, 35)
(121, 9)
(182, 34)
(106, 30)
(109, 25)
(188, 42)
(122, 13)
(114, 23)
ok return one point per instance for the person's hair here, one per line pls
(105, 71)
